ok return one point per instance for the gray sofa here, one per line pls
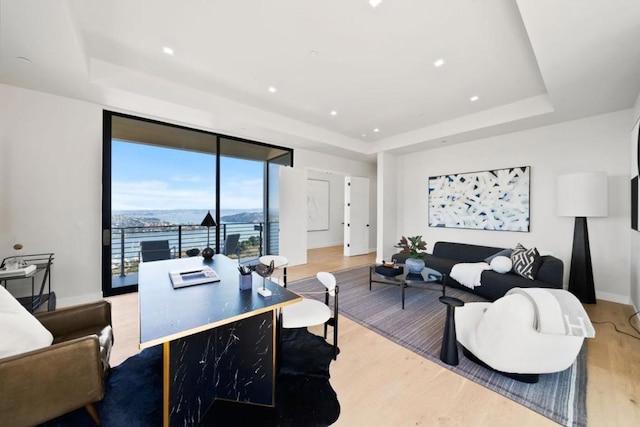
(494, 285)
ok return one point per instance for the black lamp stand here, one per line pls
(581, 273)
(208, 222)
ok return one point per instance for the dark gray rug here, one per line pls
(419, 327)
(304, 396)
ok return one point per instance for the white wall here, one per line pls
(598, 143)
(388, 193)
(52, 186)
(51, 192)
(334, 236)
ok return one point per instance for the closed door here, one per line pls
(293, 215)
(356, 216)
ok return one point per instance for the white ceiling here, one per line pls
(530, 62)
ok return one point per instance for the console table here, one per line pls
(218, 341)
(39, 297)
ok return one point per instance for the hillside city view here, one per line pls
(157, 193)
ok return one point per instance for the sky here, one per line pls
(153, 178)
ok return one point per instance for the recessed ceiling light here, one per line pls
(364, 135)
(474, 98)
(333, 113)
(376, 130)
(272, 89)
(438, 62)
(167, 50)
(374, 3)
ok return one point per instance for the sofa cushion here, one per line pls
(501, 264)
(20, 332)
(463, 252)
(526, 261)
(502, 253)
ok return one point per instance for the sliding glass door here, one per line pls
(159, 182)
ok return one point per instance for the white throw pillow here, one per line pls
(19, 330)
(501, 264)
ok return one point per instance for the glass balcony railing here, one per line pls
(184, 241)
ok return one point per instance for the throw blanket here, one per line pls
(468, 274)
(557, 311)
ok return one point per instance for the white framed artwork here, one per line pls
(488, 200)
(317, 205)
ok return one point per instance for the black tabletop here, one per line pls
(167, 313)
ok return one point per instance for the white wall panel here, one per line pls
(52, 177)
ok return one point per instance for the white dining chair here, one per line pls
(312, 312)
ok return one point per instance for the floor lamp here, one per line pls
(582, 195)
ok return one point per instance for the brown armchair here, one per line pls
(43, 384)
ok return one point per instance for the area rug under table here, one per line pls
(304, 396)
(419, 327)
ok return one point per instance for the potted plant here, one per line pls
(414, 246)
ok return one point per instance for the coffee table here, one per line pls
(399, 277)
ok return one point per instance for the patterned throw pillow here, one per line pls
(526, 261)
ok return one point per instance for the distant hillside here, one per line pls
(245, 217)
(193, 217)
(124, 221)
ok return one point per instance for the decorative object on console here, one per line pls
(489, 200)
(18, 248)
(582, 195)
(526, 261)
(193, 252)
(413, 246)
(208, 221)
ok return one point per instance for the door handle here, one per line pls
(106, 237)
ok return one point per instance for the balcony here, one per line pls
(184, 241)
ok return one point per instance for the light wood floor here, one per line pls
(380, 383)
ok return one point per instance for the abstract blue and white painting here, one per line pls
(488, 200)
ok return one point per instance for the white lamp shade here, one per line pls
(583, 194)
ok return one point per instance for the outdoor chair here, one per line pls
(231, 244)
(154, 250)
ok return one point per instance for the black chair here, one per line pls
(155, 250)
(231, 244)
